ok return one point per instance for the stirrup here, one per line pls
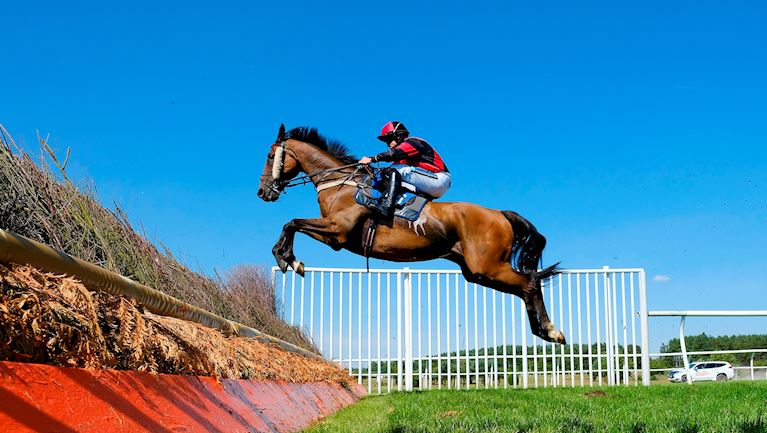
(383, 210)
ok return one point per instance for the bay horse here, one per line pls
(497, 249)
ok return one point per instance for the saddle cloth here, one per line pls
(408, 205)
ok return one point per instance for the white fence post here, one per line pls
(608, 324)
(399, 331)
(522, 313)
(684, 351)
(645, 329)
(408, 286)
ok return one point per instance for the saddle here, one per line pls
(407, 203)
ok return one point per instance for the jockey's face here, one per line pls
(392, 144)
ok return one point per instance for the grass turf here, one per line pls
(704, 407)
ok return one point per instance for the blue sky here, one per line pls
(631, 135)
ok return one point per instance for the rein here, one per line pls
(279, 186)
(307, 178)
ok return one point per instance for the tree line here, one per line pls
(485, 359)
(482, 359)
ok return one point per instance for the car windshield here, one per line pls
(681, 369)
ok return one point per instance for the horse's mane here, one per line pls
(312, 136)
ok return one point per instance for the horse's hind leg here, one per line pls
(534, 303)
(501, 276)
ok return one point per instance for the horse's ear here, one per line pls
(281, 133)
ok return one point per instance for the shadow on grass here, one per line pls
(758, 425)
(687, 427)
(576, 425)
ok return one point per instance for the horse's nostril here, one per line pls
(261, 193)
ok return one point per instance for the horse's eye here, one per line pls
(271, 156)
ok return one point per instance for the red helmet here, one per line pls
(393, 131)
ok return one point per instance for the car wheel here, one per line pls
(683, 379)
(721, 377)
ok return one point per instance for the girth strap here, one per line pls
(367, 241)
(325, 185)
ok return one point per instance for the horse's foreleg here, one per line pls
(324, 230)
(278, 253)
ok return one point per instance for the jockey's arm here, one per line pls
(388, 156)
(400, 152)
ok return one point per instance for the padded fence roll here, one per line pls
(21, 250)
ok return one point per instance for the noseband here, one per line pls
(279, 162)
(277, 186)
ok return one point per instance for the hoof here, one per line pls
(283, 265)
(557, 336)
(298, 267)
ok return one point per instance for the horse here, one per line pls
(497, 249)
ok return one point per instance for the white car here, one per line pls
(700, 371)
(676, 375)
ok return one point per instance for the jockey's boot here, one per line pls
(385, 204)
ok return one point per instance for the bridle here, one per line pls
(279, 186)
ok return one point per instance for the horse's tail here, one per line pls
(528, 245)
(537, 277)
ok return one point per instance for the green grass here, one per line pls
(704, 407)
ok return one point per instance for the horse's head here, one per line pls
(281, 166)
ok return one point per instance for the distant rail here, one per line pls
(710, 313)
(19, 249)
(706, 313)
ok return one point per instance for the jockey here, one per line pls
(416, 163)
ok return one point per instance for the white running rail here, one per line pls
(404, 329)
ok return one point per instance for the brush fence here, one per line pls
(407, 329)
